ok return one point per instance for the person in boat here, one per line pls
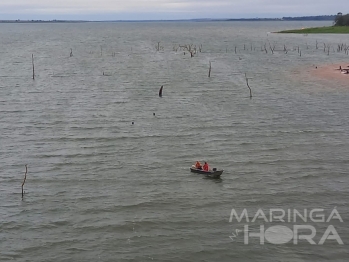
(206, 167)
(198, 165)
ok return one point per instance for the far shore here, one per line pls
(318, 30)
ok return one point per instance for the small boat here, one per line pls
(212, 173)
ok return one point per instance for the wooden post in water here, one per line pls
(25, 177)
(209, 70)
(33, 66)
(248, 86)
(271, 48)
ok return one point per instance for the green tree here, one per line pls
(341, 20)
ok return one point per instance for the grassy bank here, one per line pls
(320, 30)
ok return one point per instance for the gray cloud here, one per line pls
(153, 9)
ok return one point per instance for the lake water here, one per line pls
(100, 188)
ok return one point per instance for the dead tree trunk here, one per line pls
(248, 86)
(272, 48)
(209, 70)
(265, 48)
(33, 66)
(25, 177)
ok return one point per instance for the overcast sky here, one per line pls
(165, 9)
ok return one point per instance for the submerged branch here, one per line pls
(33, 66)
(248, 85)
(209, 70)
(25, 177)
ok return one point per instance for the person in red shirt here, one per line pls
(206, 167)
(198, 165)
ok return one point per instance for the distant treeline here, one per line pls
(42, 21)
(311, 18)
(299, 18)
(250, 19)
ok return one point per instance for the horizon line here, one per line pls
(165, 20)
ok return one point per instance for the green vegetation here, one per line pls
(320, 30)
(341, 26)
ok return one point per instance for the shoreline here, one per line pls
(318, 30)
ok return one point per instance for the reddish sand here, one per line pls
(331, 72)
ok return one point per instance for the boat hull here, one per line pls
(214, 174)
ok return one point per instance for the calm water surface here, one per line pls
(101, 189)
